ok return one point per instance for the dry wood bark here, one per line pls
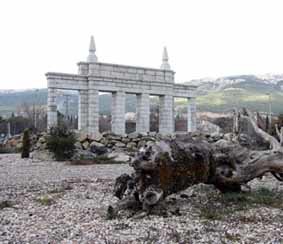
(170, 166)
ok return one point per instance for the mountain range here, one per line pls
(214, 95)
(251, 91)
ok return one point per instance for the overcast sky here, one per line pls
(204, 38)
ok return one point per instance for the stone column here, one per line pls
(166, 116)
(192, 117)
(83, 111)
(118, 113)
(143, 112)
(51, 108)
(93, 112)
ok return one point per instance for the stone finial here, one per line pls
(165, 64)
(92, 56)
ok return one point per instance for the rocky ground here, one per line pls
(53, 202)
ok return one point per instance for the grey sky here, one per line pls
(204, 38)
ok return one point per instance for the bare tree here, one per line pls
(34, 113)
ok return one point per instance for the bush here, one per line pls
(61, 142)
(26, 144)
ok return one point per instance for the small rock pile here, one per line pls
(14, 144)
(108, 144)
(120, 148)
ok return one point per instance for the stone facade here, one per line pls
(94, 76)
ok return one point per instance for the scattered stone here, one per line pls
(98, 148)
(216, 136)
(97, 137)
(132, 145)
(83, 137)
(81, 154)
(183, 195)
(152, 133)
(5, 204)
(85, 145)
(79, 214)
(134, 135)
(120, 144)
(78, 145)
(19, 146)
(141, 144)
(228, 136)
(42, 139)
(119, 157)
(125, 140)
(43, 155)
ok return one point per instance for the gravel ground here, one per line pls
(53, 202)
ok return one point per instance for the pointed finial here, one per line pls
(165, 64)
(92, 56)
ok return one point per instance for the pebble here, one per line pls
(82, 194)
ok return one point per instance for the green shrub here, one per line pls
(26, 144)
(61, 142)
(46, 200)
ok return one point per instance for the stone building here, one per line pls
(94, 77)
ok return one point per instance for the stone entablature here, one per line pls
(126, 72)
(107, 83)
(94, 77)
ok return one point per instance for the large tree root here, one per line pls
(170, 166)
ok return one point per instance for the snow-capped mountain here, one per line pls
(269, 81)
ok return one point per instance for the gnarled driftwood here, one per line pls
(169, 166)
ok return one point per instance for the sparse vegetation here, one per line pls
(61, 142)
(261, 196)
(211, 212)
(241, 201)
(6, 204)
(46, 200)
(101, 159)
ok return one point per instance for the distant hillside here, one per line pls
(11, 100)
(243, 91)
(214, 95)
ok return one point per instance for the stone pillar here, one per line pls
(166, 116)
(51, 108)
(192, 117)
(118, 113)
(93, 112)
(83, 111)
(143, 112)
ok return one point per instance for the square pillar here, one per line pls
(93, 112)
(118, 113)
(166, 115)
(83, 111)
(143, 112)
(192, 116)
(51, 108)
